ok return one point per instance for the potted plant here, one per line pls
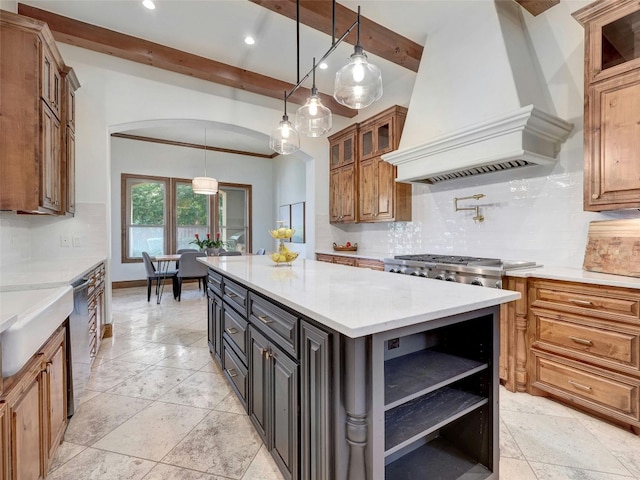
(208, 244)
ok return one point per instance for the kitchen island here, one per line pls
(355, 374)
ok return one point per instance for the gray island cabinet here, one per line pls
(355, 374)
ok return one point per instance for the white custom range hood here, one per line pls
(478, 104)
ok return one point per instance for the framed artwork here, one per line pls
(297, 222)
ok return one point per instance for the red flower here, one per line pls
(197, 237)
(217, 236)
(208, 236)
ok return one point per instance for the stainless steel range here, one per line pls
(484, 272)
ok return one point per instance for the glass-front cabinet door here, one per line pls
(613, 38)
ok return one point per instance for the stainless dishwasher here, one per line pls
(79, 345)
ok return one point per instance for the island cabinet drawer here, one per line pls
(214, 280)
(597, 389)
(235, 331)
(277, 323)
(236, 296)
(236, 372)
(619, 304)
(602, 343)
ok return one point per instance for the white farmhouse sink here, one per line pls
(37, 314)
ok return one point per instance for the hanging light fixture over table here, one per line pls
(357, 85)
(205, 185)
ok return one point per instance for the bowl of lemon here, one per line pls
(283, 256)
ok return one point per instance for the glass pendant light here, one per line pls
(359, 83)
(313, 119)
(205, 185)
(285, 138)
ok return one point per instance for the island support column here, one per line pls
(356, 406)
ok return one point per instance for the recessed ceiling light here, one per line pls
(249, 40)
(149, 4)
(323, 66)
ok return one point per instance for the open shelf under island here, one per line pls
(354, 374)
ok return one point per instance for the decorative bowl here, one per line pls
(282, 233)
(284, 257)
(343, 248)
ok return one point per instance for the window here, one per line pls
(145, 213)
(162, 215)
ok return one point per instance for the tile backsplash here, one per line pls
(26, 238)
(538, 217)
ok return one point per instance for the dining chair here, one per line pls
(261, 251)
(190, 267)
(184, 250)
(152, 273)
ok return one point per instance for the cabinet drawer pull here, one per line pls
(264, 319)
(581, 341)
(231, 295)
(586, 303)
(232, 372)
(232, 331)
(580, 386)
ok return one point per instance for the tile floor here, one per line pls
(158, 408)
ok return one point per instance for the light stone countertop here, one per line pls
(356, 301)
(577, 275)
(46, 273)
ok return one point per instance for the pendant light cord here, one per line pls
(205, 152)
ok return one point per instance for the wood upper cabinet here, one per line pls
(342, 181)
(381, 198)
(612, 104)
(70, 84)
(362, 187)
(35, 157)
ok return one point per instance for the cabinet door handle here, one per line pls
(232, 372)
(580, 386)
(231, 331)
(581, 341)
(585, 303)
(264, 319)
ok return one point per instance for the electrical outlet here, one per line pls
(65, 241)
(76, 241)
(393, 343)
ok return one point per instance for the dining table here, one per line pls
(163, 268)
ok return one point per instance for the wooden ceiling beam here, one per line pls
(374, 38)
(102, 40)
(536, 7)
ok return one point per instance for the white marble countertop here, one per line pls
(577, 275)
(356, 301)
(46, 273)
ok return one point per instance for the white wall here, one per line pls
(531, 214)
(144, 158)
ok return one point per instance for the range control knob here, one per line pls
(450, 278)
(478, 282)
(415, 273)
(440, 276)
(424, 274)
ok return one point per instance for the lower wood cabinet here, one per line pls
(371, 263)
(273, 400)
(4, 441)
(35, 412)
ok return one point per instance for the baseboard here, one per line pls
(142, 283)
